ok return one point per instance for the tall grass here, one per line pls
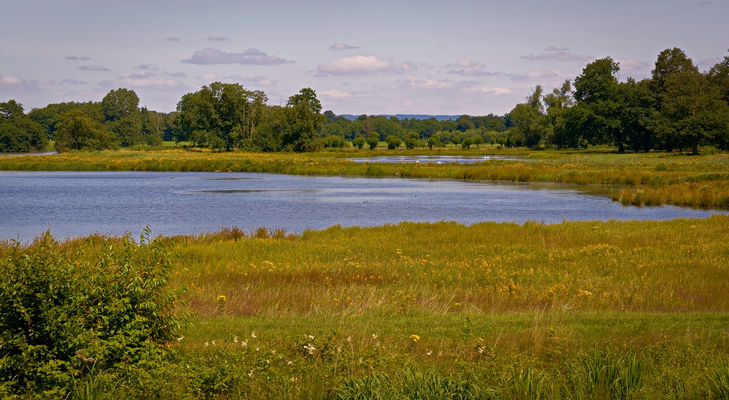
(578, 310)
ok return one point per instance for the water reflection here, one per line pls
(79, 203)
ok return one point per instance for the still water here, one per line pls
(78, 203)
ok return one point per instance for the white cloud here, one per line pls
(554, 48)
(10, 80)
(360, 65)
(493, 91)
(335, 94)
(210, 56)
(426, 83)
(71, 81)
(342, 46)
(634, 65)
(556, 55)
(468, 68)
(146, 80)
(256, 81)
(535, 75)
(94, 68)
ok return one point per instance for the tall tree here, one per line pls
(120, 103)
(19, 133)
(597, 97)
(75, 131)
(557, 103)
(304, 120)
(221, 115)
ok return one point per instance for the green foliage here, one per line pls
(303, 116)
(393, 142)
(220, 116)
(65, 316)
(48, 115)
(120, 103)
(373, 139)
(359, 142)
(19, 133)
(76, 131)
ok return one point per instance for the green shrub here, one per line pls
(64, 315)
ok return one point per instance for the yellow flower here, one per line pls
(221, 299)
(414, 338)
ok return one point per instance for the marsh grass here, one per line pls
(578, 310)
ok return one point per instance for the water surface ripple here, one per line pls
(78, 203)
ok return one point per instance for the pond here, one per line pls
(78, 203)
(434, 159)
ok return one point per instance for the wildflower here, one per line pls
(221, 299)
(244, 343)
(349, 339)
(235, 339)
(253, 334)
(310, 348)
(250, 374)
(207, 344)
(179, 339)
(213, 342)
(414, 338)
(429, 353)
(311, 337)
(374, 336)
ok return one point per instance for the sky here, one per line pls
(361, 57)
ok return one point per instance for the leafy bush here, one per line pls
(65, 313)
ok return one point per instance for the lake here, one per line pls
(78, 203)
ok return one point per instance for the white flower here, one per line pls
(429, 353)
(374, 336)
(179, 339)
(235, 339)
(253, 334)
(207, 344)
(311, 337)
(244, 343)
(310, 348)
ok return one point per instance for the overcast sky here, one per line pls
(373, 57)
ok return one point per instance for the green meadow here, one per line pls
(577, 310)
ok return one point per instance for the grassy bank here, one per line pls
(572, 310)
(639, 179)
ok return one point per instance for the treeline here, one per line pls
(678, 107)
(115, 121)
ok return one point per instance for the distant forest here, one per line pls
(677, 108)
